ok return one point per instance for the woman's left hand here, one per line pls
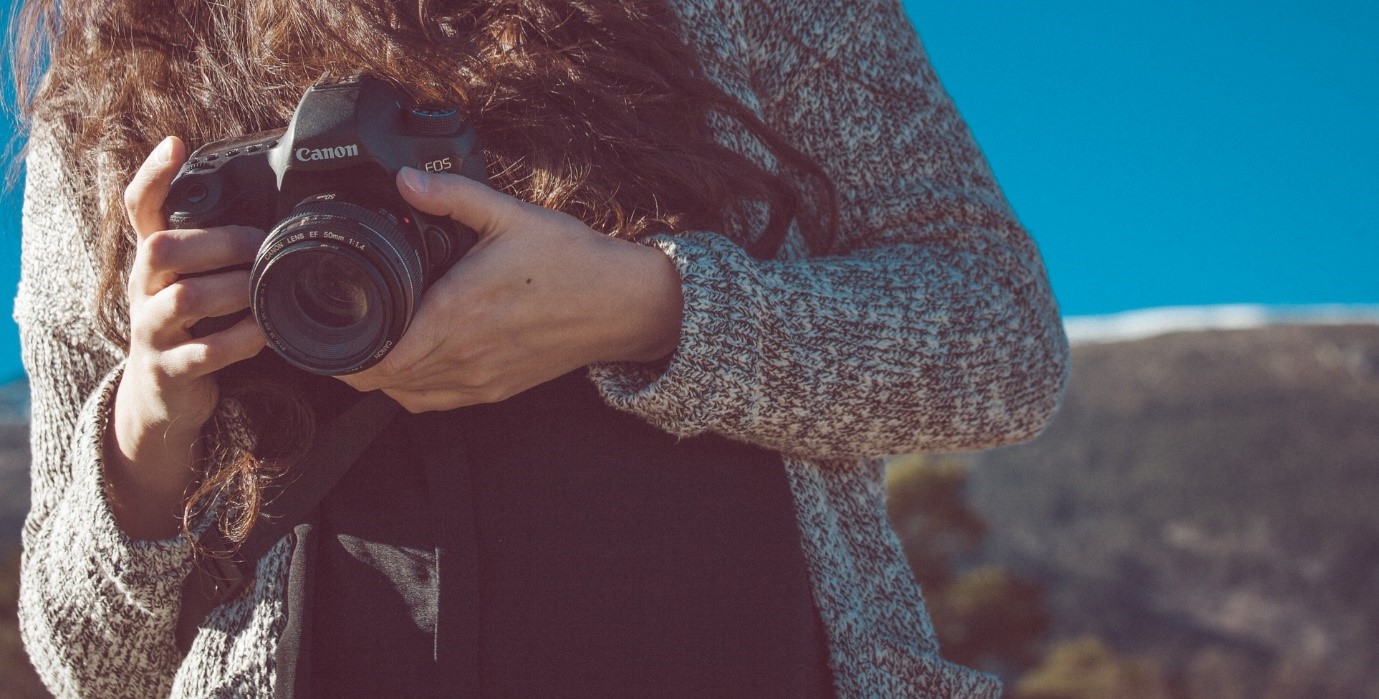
(539, 295)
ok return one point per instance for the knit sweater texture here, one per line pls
(929, 325)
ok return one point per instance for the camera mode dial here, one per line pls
(434, 120)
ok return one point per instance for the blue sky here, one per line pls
(1170, 153)
(1178, 153)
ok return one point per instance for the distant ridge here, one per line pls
(1150, 322)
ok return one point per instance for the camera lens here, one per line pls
(335, 285)
(332, 292)
(322, 307)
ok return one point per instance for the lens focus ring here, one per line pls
(335, 286)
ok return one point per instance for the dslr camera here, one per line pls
(346, 261)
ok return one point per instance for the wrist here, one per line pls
(649, 328)
(149, 465)
(136, 434)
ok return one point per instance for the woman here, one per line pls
(778, 252)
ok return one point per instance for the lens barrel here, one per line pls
(335, 285)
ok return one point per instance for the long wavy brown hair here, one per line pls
(597, 108)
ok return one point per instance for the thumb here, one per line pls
(143, 198)
(484, 209)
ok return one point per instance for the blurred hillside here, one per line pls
(1208, 499)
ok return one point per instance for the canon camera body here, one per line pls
(338, 279)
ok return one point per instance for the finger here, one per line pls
(482, 208)
(363, 385)
(410, 378)
(425, 401)
(374, 378)
(209, 354)
(165, 256)
(167, 316)
(143, 198)
(400, 368)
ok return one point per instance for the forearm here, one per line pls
(96, 607)
(899, 348)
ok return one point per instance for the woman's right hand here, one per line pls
(168, 390)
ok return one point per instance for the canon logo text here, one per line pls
(307, 154)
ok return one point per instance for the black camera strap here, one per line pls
(216, 579)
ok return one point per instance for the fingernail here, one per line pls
(163, 153)
(416, 180)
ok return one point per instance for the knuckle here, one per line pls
(163, 368)
(394, 366)
(492, 393)
(199, 355)
(364, 383)
(482, 377)
(133, 194)
(182, 299)
(159, 249)
(478, 382)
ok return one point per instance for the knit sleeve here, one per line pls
(96, 607)
(930, 325)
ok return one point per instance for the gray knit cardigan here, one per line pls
(929, 326)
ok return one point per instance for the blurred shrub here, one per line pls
(1083, 668)
(984, 616)
(990, 619)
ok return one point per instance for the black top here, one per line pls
(551, 546)
(375, 593)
